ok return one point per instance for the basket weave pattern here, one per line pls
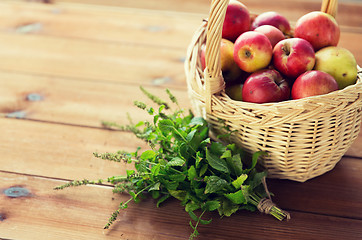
(303, 138)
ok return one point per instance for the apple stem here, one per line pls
(286, 49)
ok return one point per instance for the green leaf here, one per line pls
(198, 121)
(205, 222)
(136, 199)
(217, 148)
(226, 154)
(237, 197)
(191, 206)
(192, 174)
(178, 194)
(200, 193)
(130, 173)
(155, 186)
(216, 163)
(227, 208)
(215, 184)
(156, 170)
(256, 179)
(193, 216)
(255, 158)
(166, 126)
(198, 159)
(177, 177)
(191, 135)
(239, 181)
(162, 199)
(236, 164)
(170, 185)
(155, 194)
(176, 162)
(211, 205)
(185, 151)
(148, 155)
(203, 170)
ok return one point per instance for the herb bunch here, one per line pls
(183, 162)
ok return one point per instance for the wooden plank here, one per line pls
(61, 151)
(115, 25)
(348, 11)
(91, 60)
(356, 150)
(324, 193)
(36, 147)
(80, 213)
(74, 101)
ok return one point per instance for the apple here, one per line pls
(338, 62)
(313, 83)
(235, 91)
(237, 20)
(272, 33)
(230, 70)
(293, 56)
(272, 18)
(252, 51)
(318, 28)
(265, 86)
(202, 56)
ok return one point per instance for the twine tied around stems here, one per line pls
(266, 205)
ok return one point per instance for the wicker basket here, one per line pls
(304, 138)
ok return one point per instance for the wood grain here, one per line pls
(73, 214)
(78, 102)
(36, 54)
(61, 151)
(115, 25)
(348, 11)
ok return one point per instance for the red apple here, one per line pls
(318, 28)
(265, 86)
(293, 56)
(237, 20)
(252, 51)
(272, 18)
(272, 33)
(313, 83)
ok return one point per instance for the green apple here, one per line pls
(338, 62)
(235, 91)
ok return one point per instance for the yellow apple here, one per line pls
(338, 62)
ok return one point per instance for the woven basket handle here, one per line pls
(214, 82)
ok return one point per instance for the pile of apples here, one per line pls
(263, 60)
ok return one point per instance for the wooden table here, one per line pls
(66, 66)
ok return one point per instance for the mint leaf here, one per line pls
(255, 158)
(162, 199)
(239, 181)
(237, 197)
(227, 208)
(166, 126)
(216, 163)
(215, 184)
(148, 155)
(176, 162)
(192, 174)
(211, 205)
(178, 194)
